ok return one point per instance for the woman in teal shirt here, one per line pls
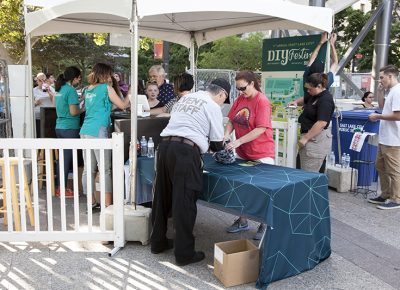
(67, 107)
(99, 97)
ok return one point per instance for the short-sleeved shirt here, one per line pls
(44, 98)
(317, 108)
(247, 114)
(197, 117)
(166, 93)
(63, 99)
(98, 110)
(389, 131)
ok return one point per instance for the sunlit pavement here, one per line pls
(365, 243)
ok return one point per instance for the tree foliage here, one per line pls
(234, 52)
(349, 23)
(12, 29)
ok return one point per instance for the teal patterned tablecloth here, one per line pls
(293, 203)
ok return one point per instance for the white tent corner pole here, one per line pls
(29, 84)
(134, 28)
(192, 59)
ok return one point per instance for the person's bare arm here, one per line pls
(74, 110)
(334, 57)
(380, 95)
(394, 116)
(297, 102)
(116, 100)
(314, 54)
(253, 134)
(228, 130)
(158, 111)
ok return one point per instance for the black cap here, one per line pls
(223, 84)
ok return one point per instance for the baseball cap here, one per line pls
(223, 84)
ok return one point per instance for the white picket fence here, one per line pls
(285, 137)
(57, 227)
(54, 225)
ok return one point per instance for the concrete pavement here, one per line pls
(365, 243)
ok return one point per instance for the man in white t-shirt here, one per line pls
(388, 156)
(196, 124)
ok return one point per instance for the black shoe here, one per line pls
(197, 257)
(96, 205)
(377, 200)
(168, 246)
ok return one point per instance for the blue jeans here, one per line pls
(66, 134)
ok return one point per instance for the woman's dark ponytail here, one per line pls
(69, 74)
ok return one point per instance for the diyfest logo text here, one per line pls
(289, 53)
(285, 56)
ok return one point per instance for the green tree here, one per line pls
(349, 23)
(234, 52)
(12, 43)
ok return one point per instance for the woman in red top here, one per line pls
(251, 119)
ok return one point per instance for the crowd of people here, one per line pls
(196, 126)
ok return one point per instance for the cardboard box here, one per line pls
(236, 262)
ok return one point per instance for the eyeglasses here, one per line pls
(225, 93)
(242, 89)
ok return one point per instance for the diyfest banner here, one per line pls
(290, 53)
(283, 63)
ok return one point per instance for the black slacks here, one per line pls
(177, 186)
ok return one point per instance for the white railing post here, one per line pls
(291, 143)
(118, 188)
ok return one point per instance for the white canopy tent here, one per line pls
(178, 21)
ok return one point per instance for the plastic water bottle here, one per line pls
(343, 160)
(150, 148)
(347, 160)
(143, 146)
(332, 160)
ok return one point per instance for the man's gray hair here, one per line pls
(158, 68)
(214, 89)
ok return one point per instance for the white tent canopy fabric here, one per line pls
(176, 20)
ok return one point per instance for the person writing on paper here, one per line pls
(179, 169)
(316, 139)
(251, 119)
(388, 156)
(368, 98)
(99, 97)
(152, 94)
(314, 65)
(183, 84)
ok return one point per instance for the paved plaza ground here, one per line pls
(365, 244)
